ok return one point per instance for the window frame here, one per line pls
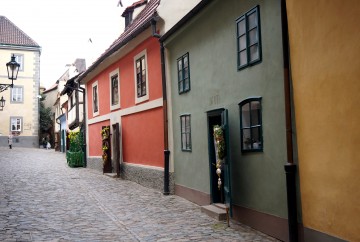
(183, 80)
(21, 123)
(20, 61)
(146, 96)
(188, 146)
(95, 85)
(12, 94)
(112, 74)
(245, 18)
(251, 127)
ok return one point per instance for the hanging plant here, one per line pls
(105, 132)
(220, 150)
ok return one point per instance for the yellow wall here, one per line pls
(325, 62)
(26, 80)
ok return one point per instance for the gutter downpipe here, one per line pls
(165, 110)
(290, 166)
(81, 89)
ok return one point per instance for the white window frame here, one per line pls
(19, 59)
(95, 84)
(145, 97)
(111, 74)
(16, 119)
(12, 94)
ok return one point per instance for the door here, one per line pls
(116, 140)
(220, 194)
(227, 163)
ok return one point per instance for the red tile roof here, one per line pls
(10, 34)
(139, 24)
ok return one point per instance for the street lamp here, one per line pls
(12, 69)
(2, 103)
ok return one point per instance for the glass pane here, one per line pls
(255, 113)
(185, 61)
(179, 65)
(143, 76)
(137, 65)
(182, 124)
(242, 42)
(253, 38)
(252, 20)
(241, 27)
(188, 142)
(180, 76)
(143, 63)
(246, 139)
(243, 58)
(187, 123)
(181, 86)
(254, 52)
(183, 141)
(187, 86)
(186, 72)
(245, 115)
(256, 132)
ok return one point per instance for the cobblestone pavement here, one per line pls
(42, 199)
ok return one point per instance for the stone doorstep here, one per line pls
(216, 211)
(112, 175)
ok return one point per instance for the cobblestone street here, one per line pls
(42, 199)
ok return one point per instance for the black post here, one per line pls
(166, 172)
(290, 170)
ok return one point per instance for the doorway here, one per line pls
(222, 193)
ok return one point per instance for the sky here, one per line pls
(63, 29)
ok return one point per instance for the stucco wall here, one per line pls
(324, 45)
(258, 178)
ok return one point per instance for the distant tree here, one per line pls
(45, 116)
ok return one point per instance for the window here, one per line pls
(248, 38)
(141, 77)
(16, 94)
(183, 73)
(95, 101)
(115, 92)
(185, 132)
(15, 124)
(251, 124)
(20, 59)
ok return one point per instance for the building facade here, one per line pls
(20, 116)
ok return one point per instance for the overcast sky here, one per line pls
(63, 29)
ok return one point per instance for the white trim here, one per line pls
(92, 99)
(111, 74)
(144, 166)
(135, 109)
(146, 97)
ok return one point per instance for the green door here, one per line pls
(227, 163)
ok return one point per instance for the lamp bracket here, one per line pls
(4, 87)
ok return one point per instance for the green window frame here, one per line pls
(115, 89)
(251, 125)
(185, 127)
(183, 67)
(141, 76)
(248, 39)
(95, 99)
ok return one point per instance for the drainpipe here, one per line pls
(81, 89)
(165, 109)
(290, 166)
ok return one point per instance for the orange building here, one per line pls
(125, 103)
(324, 42)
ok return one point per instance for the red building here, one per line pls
(124, 98)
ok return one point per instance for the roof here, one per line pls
(52, 87)
(10, 34)
(139, 24)
(133, 6)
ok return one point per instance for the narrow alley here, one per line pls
(42, 199)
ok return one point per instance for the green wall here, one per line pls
(258, 179)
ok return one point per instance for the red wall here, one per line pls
(95, 139)
(127, 78)
(143, 138)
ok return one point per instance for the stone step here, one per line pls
(112, 175)
(214, 211)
